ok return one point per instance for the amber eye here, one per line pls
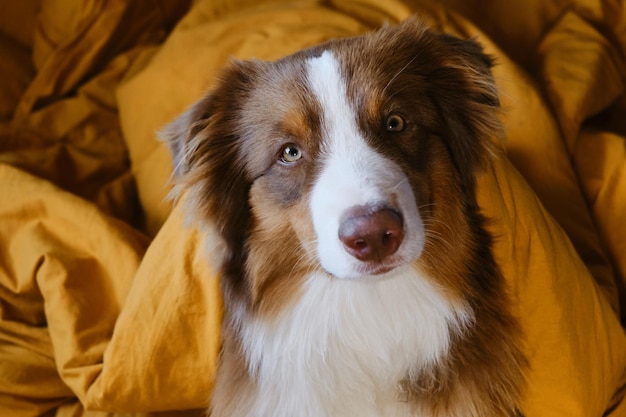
(394, 123)
(291, 153)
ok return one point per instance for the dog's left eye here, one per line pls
(291, 153)
(395, 123)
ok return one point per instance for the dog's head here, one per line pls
(356, 158)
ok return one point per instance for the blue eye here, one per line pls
(394, 123)
(291, 153)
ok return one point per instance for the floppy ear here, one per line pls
(210, 122)
(205, 143)
(179, 135)
(456, 76)
(466, 97)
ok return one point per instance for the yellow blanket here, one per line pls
(107, 305)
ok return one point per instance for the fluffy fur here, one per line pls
(357, 273)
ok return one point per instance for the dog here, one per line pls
(357, 272)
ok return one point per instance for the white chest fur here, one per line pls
(344, 346)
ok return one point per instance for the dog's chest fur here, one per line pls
(344, 348)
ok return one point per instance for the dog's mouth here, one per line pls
(371, 271)
(378, 270)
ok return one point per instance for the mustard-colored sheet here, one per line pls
(108, 306)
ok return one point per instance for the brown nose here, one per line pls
(371, 233)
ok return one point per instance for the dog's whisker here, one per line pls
(431, 222)
(398, 91)
(307, 256)
(400, 183)
(397, 74)
(426, 205)
(436, 236)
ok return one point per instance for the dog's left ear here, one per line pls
(467, 99)
(456, 75)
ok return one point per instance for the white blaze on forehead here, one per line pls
(343, 149)
(352, 174)
(326, 81)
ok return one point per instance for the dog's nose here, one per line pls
(371, 233)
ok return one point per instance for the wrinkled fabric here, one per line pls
(108, 304)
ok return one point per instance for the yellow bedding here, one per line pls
(107, 305)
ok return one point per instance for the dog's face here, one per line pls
(355, 158)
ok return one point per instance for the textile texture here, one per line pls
(108, 305)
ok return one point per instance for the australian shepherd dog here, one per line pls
(357, 273)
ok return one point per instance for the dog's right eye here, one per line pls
(291, 153)
(395, 123)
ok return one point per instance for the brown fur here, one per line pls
(225, 150)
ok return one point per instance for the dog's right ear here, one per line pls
(181, 134)
(204, 141)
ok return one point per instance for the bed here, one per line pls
(108, 306)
